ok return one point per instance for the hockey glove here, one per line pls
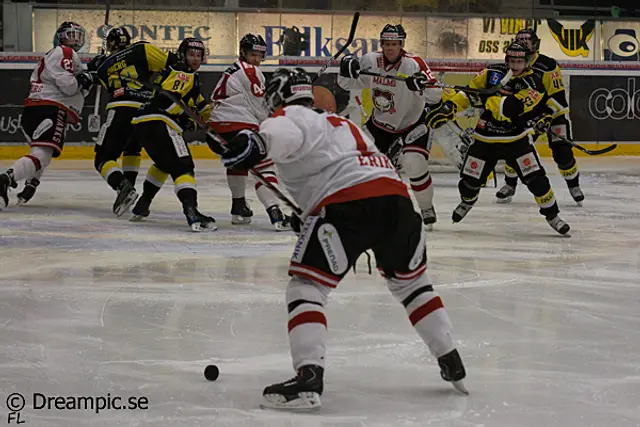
(350, 67)
(86, 79)
(543, 124)
(244, 151)
(441, 115)
(419, 81)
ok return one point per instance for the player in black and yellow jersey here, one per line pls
(504, 132)
(120, 73)
(159, 125)
(551, 75)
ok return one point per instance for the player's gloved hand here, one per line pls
(96, 62)
(350, 67)
(419, 81)
(439, 116)
(477, 100)
(244, 151)
(542, 125)
(189, 125)
(86, 79)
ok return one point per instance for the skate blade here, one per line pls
(429, 227)
(504, 201)
(240, 220)
(279, 226)
(126, 205)
(21, 201)
(305, 401)
(198, 227)
(138, 218)
(578, 203)
(459, 385)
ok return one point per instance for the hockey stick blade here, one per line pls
(352, 35)
(217, 138)
(604, 150)
(481, 91)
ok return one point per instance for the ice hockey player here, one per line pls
(551, 75)
(503, 132)
(352, 200)
(159, 125)
(399, 109)
(56, 97)
(118, 73)
(238, 103)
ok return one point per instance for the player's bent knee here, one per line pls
(302, 290)
(414, 164)
(43, 154)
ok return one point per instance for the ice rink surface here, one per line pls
(548, 326)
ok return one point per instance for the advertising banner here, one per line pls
(621, 41)
(605, 108)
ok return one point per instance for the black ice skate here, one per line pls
(6, 181)
(279, 220)
(301, 392)
(141, 210)
(452, 370)
(559, 225)
(240, 212)
(505, 194)
(461, 211)
(429, 217)
(28, 191)
(577, 194)
(199, 222)
(126, 197)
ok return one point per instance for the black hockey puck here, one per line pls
(211, 372)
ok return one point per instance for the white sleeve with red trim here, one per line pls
(431, 95)
(282, 136)
(62, 64)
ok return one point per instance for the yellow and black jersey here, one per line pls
(185, 83)
(119, 72)
(506, 113)
(551, 75)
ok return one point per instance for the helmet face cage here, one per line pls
(288, 85)
(527, 35)
(191, 43)
(393, 32)
(253, 43)
(519, 50)
(117, 39)
(71, 35)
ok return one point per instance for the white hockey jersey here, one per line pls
(53, 82)
(323, 158)
(396, 108)
(238, 99)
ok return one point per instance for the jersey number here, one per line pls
(178, 85)
(337, 121)
(125, 75)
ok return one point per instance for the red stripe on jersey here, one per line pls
(421, 187)
(375, 188)
(224, 127)
(338, 121)
(423, 65)
(220, 92)
(279, 112)
(40, 70)
(425, 309)
(307, 317)
(256, 86)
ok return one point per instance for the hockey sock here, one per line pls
(27, 166)
(543, 193)
(131, 166)
(422, 188)
(111, 172)
(185, 187)
(570, 173)
(237, 181)
(510, 175)
(265, 195)
(468, 192)
(307, 321)
(153, 182)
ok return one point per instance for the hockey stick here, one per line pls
(94, 119)
(364, 113)
(218, 139)
(481, 91)
(352, 34)
(604, 150)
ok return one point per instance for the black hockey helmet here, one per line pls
(287, 85)
(519, 50)
(527, 34)
(393, 32)
(117, 39)
(70, 34)
(191, 43)
(252, 43)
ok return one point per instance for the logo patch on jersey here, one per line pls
(473, 167)
(528, 164)
(44, 126)
(383, 100)
(333, 249)
(495, 78)
(303, 240)
(182, 77)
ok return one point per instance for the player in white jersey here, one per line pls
(56, 97)
(238, 103)
(352, 200)
(399, 109)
